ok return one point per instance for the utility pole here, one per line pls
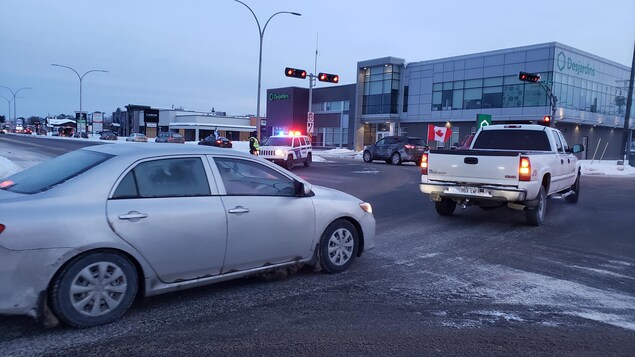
(627, 115)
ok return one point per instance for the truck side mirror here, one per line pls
(577, 148)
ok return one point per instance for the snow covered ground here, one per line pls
(589, 167)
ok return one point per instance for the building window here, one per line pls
(381, 89)
(405, 99)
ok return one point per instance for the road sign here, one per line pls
(309, 117)
(483, 120)
(309, 127)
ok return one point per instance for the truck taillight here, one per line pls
(424, 164)
(524, 169)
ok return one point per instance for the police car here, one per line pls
(287, 149)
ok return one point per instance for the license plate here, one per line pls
(476, 191)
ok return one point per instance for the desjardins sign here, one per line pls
(564, 62)
(275, 96)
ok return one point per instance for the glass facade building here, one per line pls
(395, 97)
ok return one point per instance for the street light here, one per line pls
(15, 113)
(9, 106)
(81, 77)
(261, 33)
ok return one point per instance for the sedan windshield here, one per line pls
(53, 172)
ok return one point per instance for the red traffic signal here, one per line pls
(529, 77)
(327, 77)
(294, 72)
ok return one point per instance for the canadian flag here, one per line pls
(439, 133)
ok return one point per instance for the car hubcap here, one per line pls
(341, 246)
(98, 289)
(395, 159)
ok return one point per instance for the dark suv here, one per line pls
(396, 149)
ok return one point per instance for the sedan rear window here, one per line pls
(416, 142)
(53, 172)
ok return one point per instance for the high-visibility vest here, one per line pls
(255, 142)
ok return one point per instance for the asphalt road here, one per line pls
(480, 283)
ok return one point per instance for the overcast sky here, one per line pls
(203, 54)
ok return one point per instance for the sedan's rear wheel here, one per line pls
(338, 246)
(396, 158)
(93, 289)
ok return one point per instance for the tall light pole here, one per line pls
(9, 107)
(81, 77)
(15, 113)
(261, 33)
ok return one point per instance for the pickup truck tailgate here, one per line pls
(474, 166)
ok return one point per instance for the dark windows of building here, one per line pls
(381, 89)
(405, 99)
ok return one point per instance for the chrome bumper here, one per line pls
(481, 193)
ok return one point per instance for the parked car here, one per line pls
(137, 137)
(107, 135)
(221, 142)
(170, 137)
(154, 220)
(396, 149)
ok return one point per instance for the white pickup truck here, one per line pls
(518, 165)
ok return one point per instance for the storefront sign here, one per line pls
(274, 96)
(151, 115)
(566, 63)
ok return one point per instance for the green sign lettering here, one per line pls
(566, 62)
(275, 96)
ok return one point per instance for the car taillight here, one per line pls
(524, 169)
(2, 228)
(217, 141)
(424, 164)
(408, 146)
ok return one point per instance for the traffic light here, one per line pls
(327, 77)
(546, 120)
(529, 77)
(294, 72)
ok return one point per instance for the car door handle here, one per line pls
(561, 162)
(238, 210)
(133, 216)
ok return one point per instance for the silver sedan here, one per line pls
(83, 234)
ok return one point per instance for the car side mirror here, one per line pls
(302, 189)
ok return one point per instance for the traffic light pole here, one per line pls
(552, 99)
(312, 78)
(629, 103)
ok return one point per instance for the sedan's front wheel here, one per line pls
(367, 156)
(338, 247)
(93, 289)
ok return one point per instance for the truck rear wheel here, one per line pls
(536, 215)
(575, 188)
(445, 207)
